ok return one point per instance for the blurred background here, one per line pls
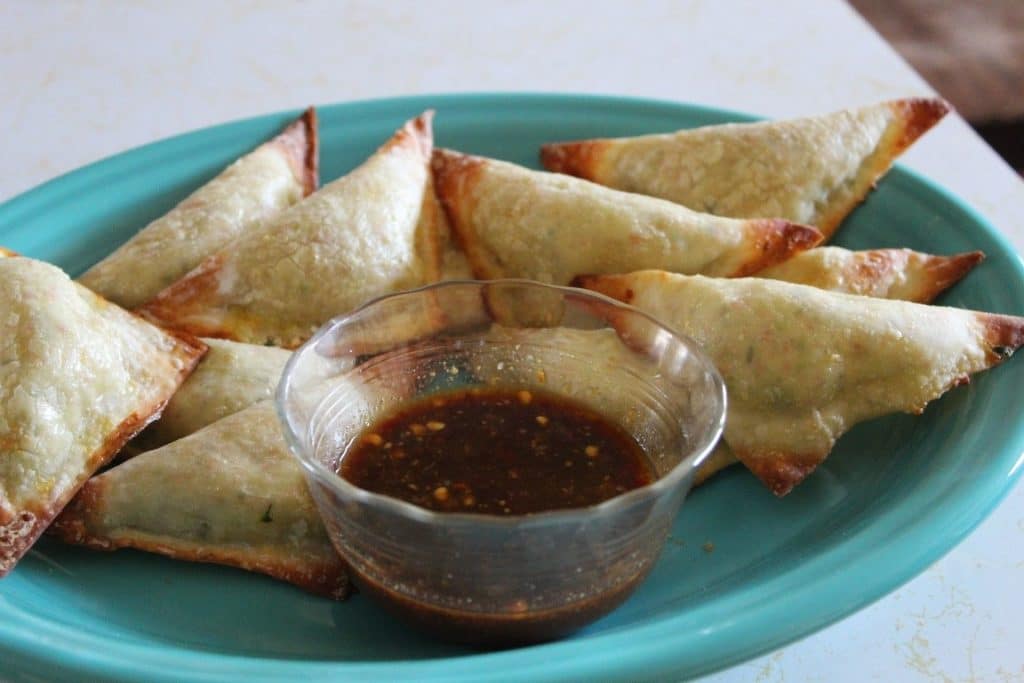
(972, 52)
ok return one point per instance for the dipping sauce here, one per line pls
(505, 452)
(497, 452)
(500, 629)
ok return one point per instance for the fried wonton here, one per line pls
(515, 222)
(718, 460)
(78, 378)
(803, 365)
(811, 170)
(230, 494)
(371, 232)
(454, 264)
(254, 188)
(886, 273)
(883, 273)
(452, 258)
(231, 377)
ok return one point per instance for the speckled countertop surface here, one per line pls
(81, 81)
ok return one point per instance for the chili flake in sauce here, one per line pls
(497, 452)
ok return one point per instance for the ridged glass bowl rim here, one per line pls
(608, 508)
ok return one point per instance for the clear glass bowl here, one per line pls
(482, 578)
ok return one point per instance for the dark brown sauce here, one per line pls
(504, 629)
(500, 452)
(497, 452)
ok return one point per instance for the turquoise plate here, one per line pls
(895, 495)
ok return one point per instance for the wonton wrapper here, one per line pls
(454, 264)
(803, 365)
(371, 232)
(453, 261)
(883, 273)
(78, 378)
(230, 378)
(514, 222)
(231, 493)
(719, 459)
(811, 170)
(254, 188)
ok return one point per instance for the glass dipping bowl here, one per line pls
(489, 579)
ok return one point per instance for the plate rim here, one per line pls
(648, 647)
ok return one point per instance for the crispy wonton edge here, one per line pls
(772, 241)
(321, 578)
(781, 471)
(185, 294)
(28, 524)
(913, 117)
(300, 143)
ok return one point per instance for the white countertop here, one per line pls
(81, 81)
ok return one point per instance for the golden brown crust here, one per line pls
(775, 241)
(300, 142)
(1004, 334)
(574, 158)
(455, 175)
(874, 265)
(882, 273)
(417, 134)
(19, 533)
(914, 117)
(433, 226)
(917, 115)
(185, 297)
(780, 472)
(944, 272)
(7, 253)
(192, 351)
(70, 526)
(610, 285)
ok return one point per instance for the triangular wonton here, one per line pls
(515, 222)
(231, 493)
(371, 232)
(812, 170)
(803, 365)
(78, 378)
(254, 188)
(882, 273)
(231, 377)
